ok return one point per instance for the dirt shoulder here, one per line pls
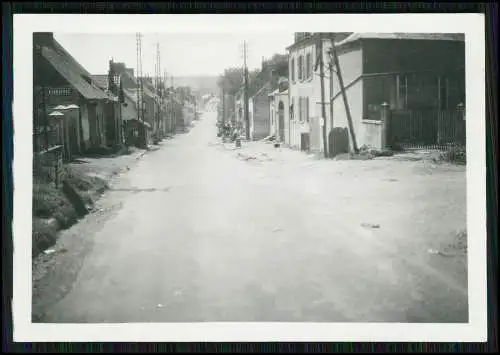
(59, 243)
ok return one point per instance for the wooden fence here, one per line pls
(48, 164)
(430, 129)
(45, 138)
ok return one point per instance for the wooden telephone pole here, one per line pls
(323, 110)
(245, 78)
(140, 112)
(330, 66)
(174, 118)
(344, 97)
(158, 90)
(223, 106)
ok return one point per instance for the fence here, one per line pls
(431, 129)
(45, 138)
(48, 165)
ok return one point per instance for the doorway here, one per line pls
(281, 121)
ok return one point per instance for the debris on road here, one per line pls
(49, 251)
(271, 138)
(438, 252)
(369, 225)
(159, 305)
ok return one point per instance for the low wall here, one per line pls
(371, 134)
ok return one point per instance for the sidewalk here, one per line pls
(108, 166)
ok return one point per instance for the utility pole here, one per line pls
(165, 85)
(174, 116)
(245, 73)
(157, 89)
(223, 106)
(330, 66)
(140, 112)
(323, 110)
(344, 97)
(45, 116)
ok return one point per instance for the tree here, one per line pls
(231, 81)
(278, 63)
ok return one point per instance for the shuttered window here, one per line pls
(301, 68)
(308, 66)
(304, 109)
(306, 114)
(300, 109)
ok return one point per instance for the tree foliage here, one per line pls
(231, 81)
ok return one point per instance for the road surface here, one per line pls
(195, 234)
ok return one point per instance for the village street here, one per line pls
(196, 231)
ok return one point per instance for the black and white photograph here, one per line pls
(226, 171)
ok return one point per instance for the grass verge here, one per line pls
(54, 209)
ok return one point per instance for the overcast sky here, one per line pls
(181, 54)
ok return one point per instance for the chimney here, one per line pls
(43, 38)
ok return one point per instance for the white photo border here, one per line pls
(473, 25)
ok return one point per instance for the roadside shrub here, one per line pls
(82, 181)
(42, 172)
(457, 154)
(44, 236)
(50, 202)
(454, 154)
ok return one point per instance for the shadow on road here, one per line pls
(151, 189)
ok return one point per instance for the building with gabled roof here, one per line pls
(63, 80)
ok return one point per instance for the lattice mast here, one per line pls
(140, 95)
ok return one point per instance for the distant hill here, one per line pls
(202, 84)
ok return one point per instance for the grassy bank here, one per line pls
(56, 208)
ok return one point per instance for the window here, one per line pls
(301, 68)
(402, 91)
(304, 109)
(308, 66)
(376, 90)
(292, 70)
